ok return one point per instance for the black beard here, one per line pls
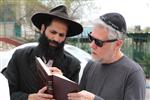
(48, 51)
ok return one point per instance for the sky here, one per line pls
(136, 12)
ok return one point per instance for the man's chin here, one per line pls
(94, 58)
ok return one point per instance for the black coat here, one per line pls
(22, 74)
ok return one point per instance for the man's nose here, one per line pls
(93, 45)
(57, 38)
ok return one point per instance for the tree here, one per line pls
(6, 11)
(75, 7)
(147, 29)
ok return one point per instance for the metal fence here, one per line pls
(136, 46)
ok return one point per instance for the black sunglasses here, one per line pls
(98, 42)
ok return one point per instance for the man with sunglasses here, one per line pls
(112, 75)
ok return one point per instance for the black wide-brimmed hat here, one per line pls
(60, 12)
(115, 20)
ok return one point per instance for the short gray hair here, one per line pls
(113, 33)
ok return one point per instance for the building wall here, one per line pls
(7, 29)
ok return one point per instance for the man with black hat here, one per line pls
(55, 26)
(112, 75)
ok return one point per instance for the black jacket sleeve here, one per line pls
(71, 67)
(12, 74)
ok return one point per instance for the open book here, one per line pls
(59, 86)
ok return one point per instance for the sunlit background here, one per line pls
(16, 27)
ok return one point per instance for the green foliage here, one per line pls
(6, 12)
(145, 63)
(12, 10)
(78, 43)
(147, 29)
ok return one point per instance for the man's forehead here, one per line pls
(57, 27)
(100, 32)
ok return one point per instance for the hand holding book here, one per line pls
(55, 70)
(40, 95)
(58, 85)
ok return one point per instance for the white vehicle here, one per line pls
(81, 55)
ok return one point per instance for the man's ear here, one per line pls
(42, 28)
(119, 43)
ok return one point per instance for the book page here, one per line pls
(43, 65)
(63, 77)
